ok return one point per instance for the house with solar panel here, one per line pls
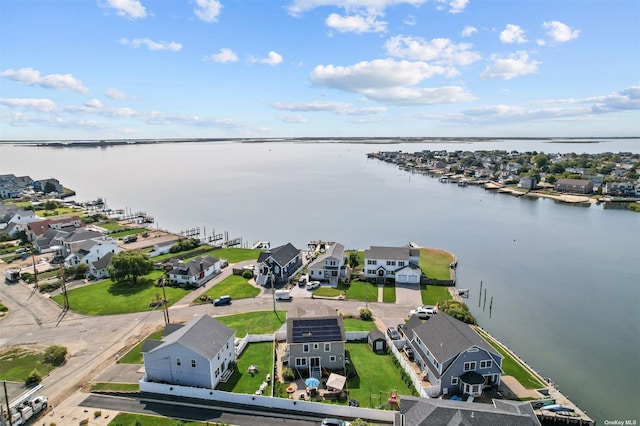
(452, 355)
(316, 341)
(281, 263)
(198, 353)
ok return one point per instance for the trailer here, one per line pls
(12, 275)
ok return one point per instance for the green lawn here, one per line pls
(261, 322)
(354, 324)
(17, 364)
(258, 354)
(235, 286)
(134, 356)
(130, 419)
(234, 255)
(435, 263)
(389, 293)
(108, 298)
(362, 290)
(115, 387)
(130, 231)
(329, 291)
(110, 226)
(433, 294)
(512, 367)
(377, 375)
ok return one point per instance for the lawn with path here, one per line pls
(242, 381)
(235, 286)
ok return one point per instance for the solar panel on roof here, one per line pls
(316, 330)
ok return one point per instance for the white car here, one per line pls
(430, 309)
(312, 285)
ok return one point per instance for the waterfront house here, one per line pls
(91, 251)
(281, 263)
(48, 185)
(574, 186)
(528, 182)
(37, 229)
(399, 264)
(316, 340)
(452, 356)
(197, 353)
(196, 271)
(330, 266)
(74, 240)
(100, 268)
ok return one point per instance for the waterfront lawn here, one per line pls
(109, 298)
(134, 356)
(389, 293)
(129, 231)
(144, 420)
(261, 322)
(241, 381)
(434, 294)
(354, 324)
(235, 255)
(377, 375)
(18, 363)
(110, 226)
(362, 290)
(235, 286)
(435, 263)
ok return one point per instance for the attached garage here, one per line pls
(409, 274)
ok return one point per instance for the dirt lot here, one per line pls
(154, 237)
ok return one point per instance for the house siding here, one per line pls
(296, 351)
(456, 368)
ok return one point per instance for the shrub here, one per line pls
(287, 374)
(55, 355)
(458, 310)
(248, 274)
(34, 378)
(365, 314)
(97, 414)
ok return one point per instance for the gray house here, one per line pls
(281, 263)
(330, 266)
(197, 353)
(316, 340)
(452, 355)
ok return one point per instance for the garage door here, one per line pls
(402, 278)
(414, 279)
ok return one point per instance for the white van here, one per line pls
(283, 295)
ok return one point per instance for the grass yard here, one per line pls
(353, 324)
(130, 419)
(261, 322)
(362, 290)
(115, 387)
(234, 255)
(134, 356)
(377, 375)
(435, 263)
(433, 294)
(512, 367)
(389, 293)
(107, 298)
(16, 364)
(129, 231)
(235, 286)
(258, 354)
(329, 291)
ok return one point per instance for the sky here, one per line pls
(137, 69)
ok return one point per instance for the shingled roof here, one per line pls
(281, 255)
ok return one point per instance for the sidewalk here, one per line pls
(69, 412)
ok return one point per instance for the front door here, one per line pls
(314, 367)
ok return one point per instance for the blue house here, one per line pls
(281, 263)
(452, 356)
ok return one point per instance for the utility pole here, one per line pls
(164, 303)
(35, 270)
(64, 289)
(273, 292)
(6, 398)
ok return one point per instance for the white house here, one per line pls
(197, 353)
(329, 266)
(196, 271)
(397, 263)
(91, 251)
(100, 268)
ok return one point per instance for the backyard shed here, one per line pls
(377, 341)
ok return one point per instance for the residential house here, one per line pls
(43, 184)
(197, 354)
(100, 268)
(91, 251)
(432, 411)
(281, 263)
(161, 248)
(77, 237)
(574, 186)
(11, 186)
(621, 189)
(330, 266)
(316, 340)
(528, 182)
(18, 221)
(452, 355)
(196, 271)
(397, 263)
(37, 229)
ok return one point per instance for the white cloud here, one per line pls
(223, 56)
(513, 34)
(627, 99)
(359, 23)
(32, 77)
(116, 94)
(132, 9)
(274, 58)
(208, 10)
(456, 6)
(468, 31)
(314, 106)
(151, 45)
(93, 103)
(410, 20)
(540, 42)
(298, 7)
(515, 65)
(292, 119)
(439, 50)
(560, 32)
(420, 95)
(40, 105)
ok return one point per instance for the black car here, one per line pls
(408, 352)
(393, 333)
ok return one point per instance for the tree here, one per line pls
(55, 355)
(353, 259)
(49, 187)
(130, 265)
(34, 378)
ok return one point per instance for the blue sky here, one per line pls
(113, 69)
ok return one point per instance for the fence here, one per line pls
(423, 391)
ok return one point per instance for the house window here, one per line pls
(475, 389)
(401, 263)
(469, 366)
(371, 262)
(391, 263)
(178, 361)
(485, 364)
(316, 346)
(193, 363)
(454, 381)
(217, 372)
(301, 362)
(305, 347)
(327, 347)
(332, 358)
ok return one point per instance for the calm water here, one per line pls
(564, 279)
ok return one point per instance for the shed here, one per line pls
(377, 341)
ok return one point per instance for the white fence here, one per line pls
(423, 391)
(304, 407)
(242, 343)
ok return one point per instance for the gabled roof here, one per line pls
(446, 337)
(315, 324)
(391, 253)
(204, 335)
(81, 235)
(431, 411)
(103, 262)
(192, 267)
(281, 255)
(336, 250)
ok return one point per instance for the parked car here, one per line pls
(222, 300)
(400, 328)
(408, 352)
(430, 309)
(313, 285)
(334, 422)
(302, 281)
(393, 333)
